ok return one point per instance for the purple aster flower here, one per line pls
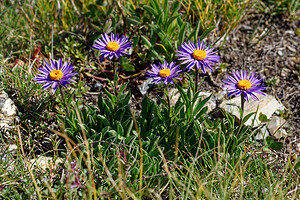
(55, 74)
(199, 55)
(113, 46)
(240, 83)
(164, 72)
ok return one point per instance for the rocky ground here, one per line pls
(270, 46)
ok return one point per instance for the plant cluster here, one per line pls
(161, 151)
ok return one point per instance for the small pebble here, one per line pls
(289, 32)
(298, 148)
(97, 87)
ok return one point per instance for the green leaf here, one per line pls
(276, 145)
(177, 109)
(171, 20)
(183, 94)
(297, 165)
(97, 28)
(124, 99)
(155, 4)
(133, 20)
(150, 10)
(200, 105)
(135, 41)
(196, 31)
(263, 118)
(147, 43)
(107, 27)
(103, 120)
(207, 31)
(182, 32)
(120, 129)
(122, 89)
(204, 110)
(129, 128)
(247, 117)
(176, 7)
(128, 67)
(111, 98)
(164, 102)
(165, 4)
(269, 140)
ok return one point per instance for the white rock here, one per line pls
(275, 127)
(12, 148)
(8, 111)
(221, 95)
(145, 86)
(289, 32)
(174, 95)
(298, 147)
(266, 105)
(9, 108)
(4, 124)
(3, 94)
(44, 162)
(262, 134)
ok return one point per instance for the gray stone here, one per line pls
(246, 28)
(291, 32)
(262, 134)
(9, 108)
(8, 111)
(275, 127)
(12, 149)
(2, 101)
(298, 147)
(266, 105)
(145, 86)
(3, 94)
(44, 162)
(97, 87)
(221, 95)
(174, 95)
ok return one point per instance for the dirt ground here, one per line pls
(272, 50)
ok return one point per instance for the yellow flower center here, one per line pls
(244, 84)
(164, 73)
(56, 75)
(112, 46)
(199, 54)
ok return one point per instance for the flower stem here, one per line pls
(115, 77)
(196, 80)
(242, 102)
(63, 97)
(169, 111)
(242, 107)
